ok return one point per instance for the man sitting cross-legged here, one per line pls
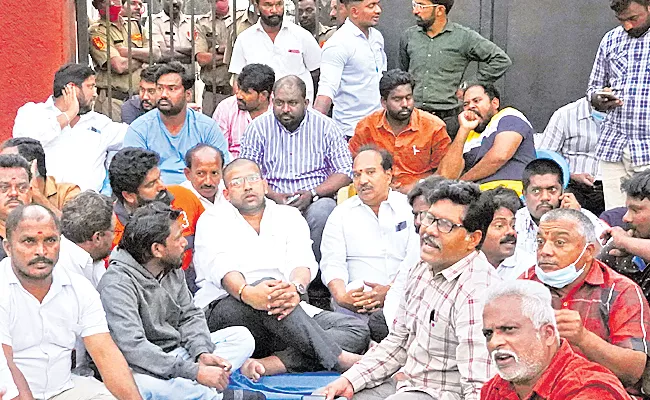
(253, 262)
(152, 318)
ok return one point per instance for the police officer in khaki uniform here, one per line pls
(120, 73)
(214, 72)
(162, 35)
(307, 19)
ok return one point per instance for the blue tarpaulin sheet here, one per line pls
(284, 386)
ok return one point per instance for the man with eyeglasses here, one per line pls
(15, 188)
(437, 52)
(254, 262)
(437, 339)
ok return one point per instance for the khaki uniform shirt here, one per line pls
(160, 32)
(324, 33)
(224, 38)
(118, 34)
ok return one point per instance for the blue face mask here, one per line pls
(562, 277)
(598, 116)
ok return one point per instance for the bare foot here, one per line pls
(252, 369)
(347, 360)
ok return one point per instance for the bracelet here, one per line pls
(240, 291)
(66, 117)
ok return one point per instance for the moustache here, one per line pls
(478, 114)
(545, 204)
(429, 240)
(509, 239)
(43, 260)
(207, 186)
(16, 199)
(365, 187)
(501, 353)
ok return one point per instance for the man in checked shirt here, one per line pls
(436, 340)
(622, 67)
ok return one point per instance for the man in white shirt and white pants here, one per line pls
(253, 263)
(352, 64)
(367, 241)
(77, 141)
(44, 309)
(282, 45)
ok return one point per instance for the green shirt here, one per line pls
(438, 64)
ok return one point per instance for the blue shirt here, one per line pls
(149, 132)
(623, 64)
(299, 160)
(350, 70)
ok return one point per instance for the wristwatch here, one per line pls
(300, 288)
(314, 195)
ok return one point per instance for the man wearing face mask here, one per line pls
(124, 77)
(573, 132)
(620, 68)
(602, 314)
(76, 139)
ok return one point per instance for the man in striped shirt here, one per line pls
(301, 153)
(573, 132)
(436, 340)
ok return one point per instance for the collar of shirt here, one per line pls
(183, 18)
(260, 28)
(50, 189)
(218, 198)
(584, 110)
(59, 279)
(449, 27)
(549, 378)
(393, 200)
(454, 271)
(414, 122)
(355, 29)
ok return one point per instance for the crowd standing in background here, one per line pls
(406, 230)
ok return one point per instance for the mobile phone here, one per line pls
(292, 198)
(610, 96)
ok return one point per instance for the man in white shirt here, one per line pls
(284, 46)
(87, 235)
(501, 237)
(42, 312)
(367, 240)
(76, 139)
(203, 172)
(253, 263)
(543, 182)
(352, 65)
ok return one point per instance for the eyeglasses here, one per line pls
(444, 225)
(420, 7)
(21, 188)
(237, 182)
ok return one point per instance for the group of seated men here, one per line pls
(202, 261)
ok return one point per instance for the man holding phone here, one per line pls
(619, 85)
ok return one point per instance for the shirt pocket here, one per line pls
(618, 70)
(291, 59)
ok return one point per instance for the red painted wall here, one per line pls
(37, 38)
